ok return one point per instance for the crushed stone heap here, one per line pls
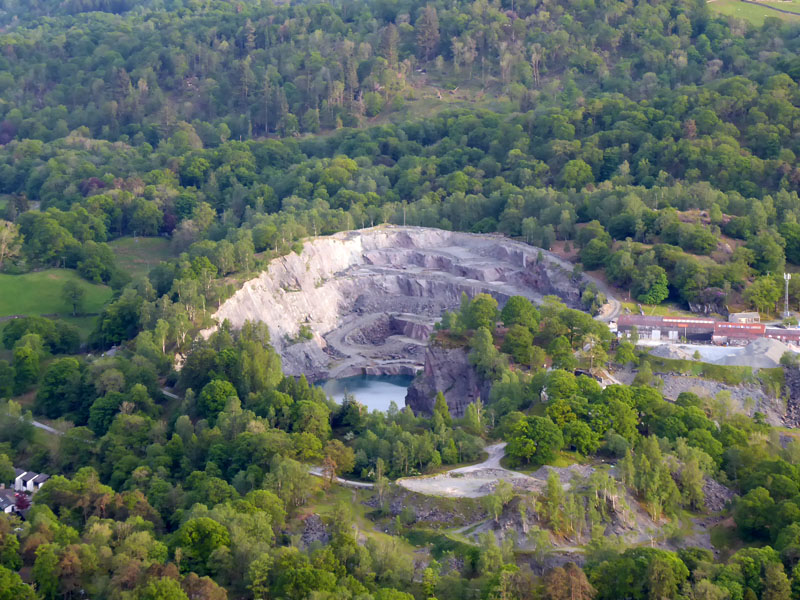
(763, 353)
(368, 299)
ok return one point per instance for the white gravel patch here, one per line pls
(709, 354)
(472, 481)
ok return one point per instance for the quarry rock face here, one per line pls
(450, 372)
(412, 326)
(369, 298)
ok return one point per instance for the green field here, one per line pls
(788, 5)
(754, 14)
(136, 256)
(40, 293)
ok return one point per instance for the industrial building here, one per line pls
(737, 333)
(674, 329)
(789, 336)
(666, 328)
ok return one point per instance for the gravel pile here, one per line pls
(762, 353)
(671, 351)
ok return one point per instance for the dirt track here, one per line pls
(472, 481)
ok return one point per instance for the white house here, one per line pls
(28, 481)
(37, 482)
(18, 475)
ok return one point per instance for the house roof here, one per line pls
(639, 321)
(667, 322)
(7, 498)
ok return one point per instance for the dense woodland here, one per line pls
(666, 127)
(649, 140)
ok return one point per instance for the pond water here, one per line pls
(375, 392)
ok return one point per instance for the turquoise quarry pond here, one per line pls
(376, 392)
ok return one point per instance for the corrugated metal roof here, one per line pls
(681, 321)
(647, 321)
(792, 334)
(639, 321)
(723, 327)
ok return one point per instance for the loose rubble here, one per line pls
(716, 494)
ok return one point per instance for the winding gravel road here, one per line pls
(472, 481)
(611, 309)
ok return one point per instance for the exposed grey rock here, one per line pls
(450, 372)
(412, 326)
(716, 494)
(370, 297)
(792, 381)
(314, 530)
(747, 398)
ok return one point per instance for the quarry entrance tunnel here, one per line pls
(365, 302)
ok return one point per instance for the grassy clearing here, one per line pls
(564, 459)
(538, 409)
(324, 502)
(84, 324)
(790, 5)
(40, 293)
(725, 539)
(772, 379)
(730, 375)
(659, 310)
(137, 255)
(441, 543)
(754, 14)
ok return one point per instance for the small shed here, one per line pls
(744, 317)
